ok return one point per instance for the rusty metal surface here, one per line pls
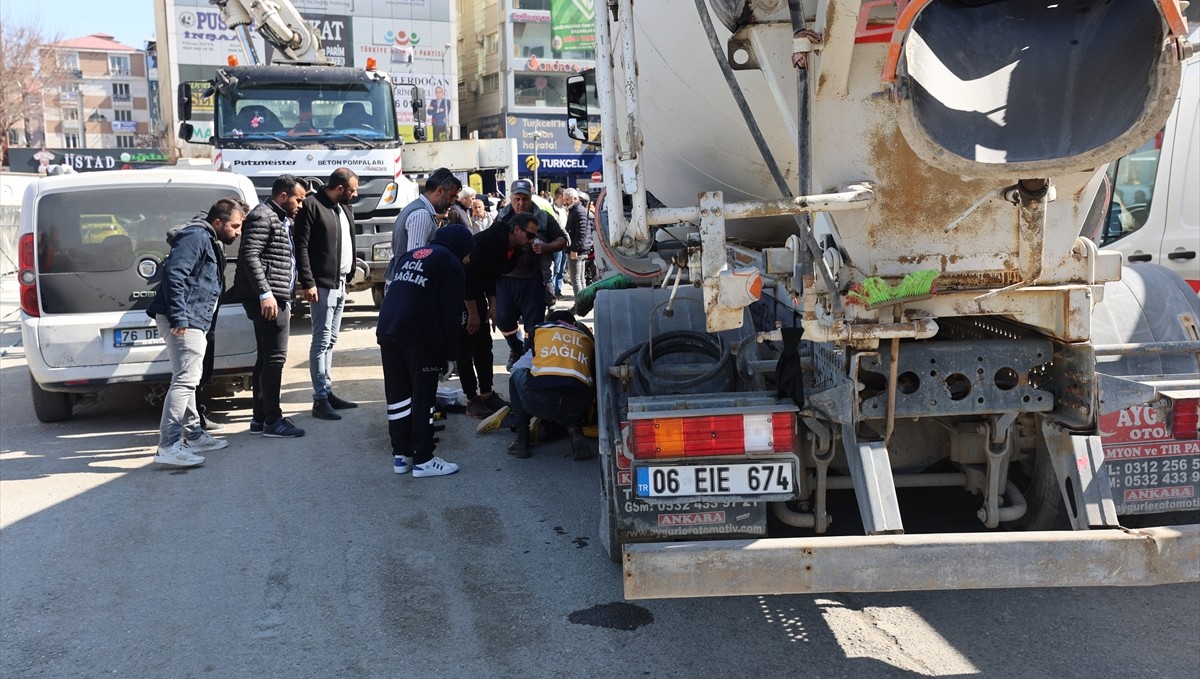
(894, 563)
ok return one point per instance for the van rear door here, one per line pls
(99, 261)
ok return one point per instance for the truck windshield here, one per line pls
(301, 113)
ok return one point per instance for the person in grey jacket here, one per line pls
(184, 308)
(264, 281)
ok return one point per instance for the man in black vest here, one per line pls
(264, 282)
(324, 236)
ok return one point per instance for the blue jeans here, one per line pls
(564, 405)
(179, 414)
(560, 269)
(326, 321)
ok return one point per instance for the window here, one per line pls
(70, 113)
(70, 61)
(120, 91)
(491, 43)
(14, 136)
(122, 114)
(1132, 179)
(491, 82)
(71, 141)
(118, 64)
(124, 141)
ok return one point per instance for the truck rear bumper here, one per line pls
(893, 563)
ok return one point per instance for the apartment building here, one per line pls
(514, 60)
(105, 101)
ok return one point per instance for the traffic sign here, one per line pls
(596, 177)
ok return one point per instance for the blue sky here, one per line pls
(129, 21)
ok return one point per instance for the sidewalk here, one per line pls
(10, 315)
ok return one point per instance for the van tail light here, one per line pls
(26, 275)
(1185, 419)
(712, 435)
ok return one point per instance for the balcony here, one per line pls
(122, 97)
(71, 97)
(124, 126)
(75, 73)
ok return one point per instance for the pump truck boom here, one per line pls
(874, 210)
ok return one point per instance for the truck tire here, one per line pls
(49, 406)
(377, 295)
(1046, 509)
(608, 528)
(1149, 304)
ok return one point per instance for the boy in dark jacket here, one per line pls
(417, 332)
(184, 308)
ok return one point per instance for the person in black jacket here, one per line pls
(417, 332)
(263, 282)
(497, 251)
(324, 236)
(579, 231)
(184, 309)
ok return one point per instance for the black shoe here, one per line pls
(341, 403)
(322, 410)
(519, 448)
(579, 445)
(282, 429)
(495, 401)
(513, 357)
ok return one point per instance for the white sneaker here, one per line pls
(176, 456)
(205, 443)
(435, 467)
(401, 464)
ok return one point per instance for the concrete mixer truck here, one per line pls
(856, 292)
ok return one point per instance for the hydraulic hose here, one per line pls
(643, 355)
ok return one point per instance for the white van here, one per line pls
(1154, 215)
(91, 248)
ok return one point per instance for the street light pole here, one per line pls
(537, 135)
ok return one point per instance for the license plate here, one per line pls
(136, 337)
(758, 478)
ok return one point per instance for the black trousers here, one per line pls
(271, 337)
(410, 386)
(475, 358)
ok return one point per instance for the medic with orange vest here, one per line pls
(554, 381)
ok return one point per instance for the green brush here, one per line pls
(875, 292)
(587, 298)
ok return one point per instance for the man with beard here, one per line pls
(418, 220)
(264, 283)
(184, 308)
(324, 236)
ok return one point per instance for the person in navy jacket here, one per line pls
(418, 333)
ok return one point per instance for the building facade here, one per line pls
(515, 57)
(105, 101)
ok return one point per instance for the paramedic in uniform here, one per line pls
(554, 381)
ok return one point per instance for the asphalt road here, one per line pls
(310, 558)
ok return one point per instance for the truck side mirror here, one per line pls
(186, 131)
(418, 106)
(185, 101)
(419, 132)
(577, 105)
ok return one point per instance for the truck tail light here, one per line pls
(27, 277)
(1185, 419)
(712, 435)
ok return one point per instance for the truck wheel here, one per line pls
(1038, 482)
(377, 295)
(608, 529)
(49, 406)
(1148, 304)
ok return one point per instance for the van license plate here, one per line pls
(771, 478)
(136, 337)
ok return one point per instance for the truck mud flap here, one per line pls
(896, 563)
